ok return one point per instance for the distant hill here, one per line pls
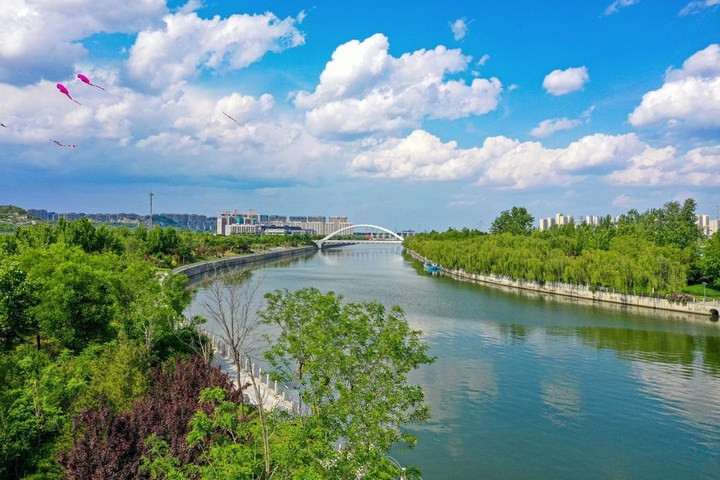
(12, 217)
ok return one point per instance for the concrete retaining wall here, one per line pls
(197, 270)
(580, 291)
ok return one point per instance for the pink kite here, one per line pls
(71, 145)
(87, 80)
(64, 90)
(231, 118)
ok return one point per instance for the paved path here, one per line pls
(269, 394)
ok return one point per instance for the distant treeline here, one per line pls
(165, 247)
(657, 251)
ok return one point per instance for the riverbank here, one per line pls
(697, 309)
(195, 271)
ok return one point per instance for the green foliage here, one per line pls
(651, 252)
(36, 394)
(76, 306)
(17, 297)
(120, 376)
(595, 256)
(710, 261)
(103, 320)
(671, 225)
(516, 221)
(348, 358)
(165, 247)
(345, 358)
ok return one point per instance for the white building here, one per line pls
(242, 228)
(546, 223)
(707, 226)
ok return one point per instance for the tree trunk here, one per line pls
(236, 358)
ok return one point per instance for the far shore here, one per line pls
(690, 311)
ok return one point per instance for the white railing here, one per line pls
(272, 394)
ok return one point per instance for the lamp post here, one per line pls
(704, 284)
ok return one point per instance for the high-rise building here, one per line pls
(561, 219)
(546, 223)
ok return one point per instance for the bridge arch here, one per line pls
(359, 225)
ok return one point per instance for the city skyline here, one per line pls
(402, 115)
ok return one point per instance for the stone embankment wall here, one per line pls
(581, 291)
(197, 270)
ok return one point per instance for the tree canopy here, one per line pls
(516, 221)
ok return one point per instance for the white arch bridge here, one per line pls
(325, 242)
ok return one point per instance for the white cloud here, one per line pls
(505, 162)
(187, 43)
(623, 200)
(704, 63)
(181, 132)
(459, 28)
(560, 82)
(696, 6)
(483, 60)
(547, 127)
(40, 38)
(697, 167)
(363, 89)
(191, 6)
(618, 4)
(689, 97)
(552, 125)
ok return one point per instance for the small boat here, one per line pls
(433, 268)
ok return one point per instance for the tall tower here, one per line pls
(151, 212)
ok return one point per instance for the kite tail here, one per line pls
(75, 101)
(98, 86)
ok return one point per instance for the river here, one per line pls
(530, 388)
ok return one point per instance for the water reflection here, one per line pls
(685, 391)
(649, 345)
(562, 397)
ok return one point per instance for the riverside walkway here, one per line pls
(268, 394)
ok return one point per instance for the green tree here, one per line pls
(77, 306)
(516, 221)
(348, 358)
(710, 262)
(17, 297)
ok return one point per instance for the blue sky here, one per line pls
(406, 114)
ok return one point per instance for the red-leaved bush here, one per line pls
(111, 445)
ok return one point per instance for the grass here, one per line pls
(697, 291)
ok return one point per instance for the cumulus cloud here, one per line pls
(509, 163)
(618, 4)
(690, 96)
(187, 44)
(696, 6)
(483, 60)
(560, 82)
(459, 28)
(181, 131)
(363, 89)
(664, 166)
(40, 38)
(547, 127)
